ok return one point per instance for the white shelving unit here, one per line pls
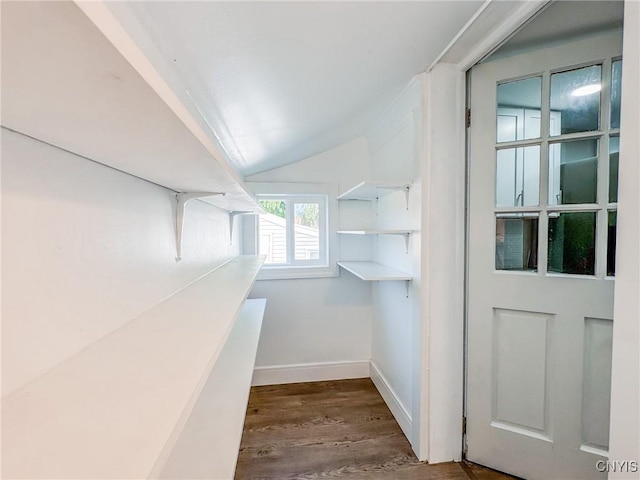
(367, 270)
(118, 408)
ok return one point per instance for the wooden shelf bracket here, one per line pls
(181, 200)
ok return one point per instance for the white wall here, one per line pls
(86, 249)
(395, 146)
(318, 328)
(624, 437)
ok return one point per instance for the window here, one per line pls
(296, 232)
(293, 231)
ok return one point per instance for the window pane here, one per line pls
(572, 239)
(614, 149)
(518, 176)
(307, 232)
(611, 243)
(573, 171)
(517, 242)
(575, 100)
(518, 113)
(272, 228)
(616, 90)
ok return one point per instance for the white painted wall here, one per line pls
(86, 249)
(318, 328)
(395, 145)
(624, 436)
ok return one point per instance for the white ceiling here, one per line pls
(281, 81)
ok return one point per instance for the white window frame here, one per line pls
(325, 195)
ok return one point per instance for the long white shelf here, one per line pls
(80, 82)
(372, 271)
(372, 190)
(117, 408)
(210, 441)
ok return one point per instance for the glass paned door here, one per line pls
(541, 256)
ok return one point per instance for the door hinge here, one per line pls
(467, 120)
(464, 425)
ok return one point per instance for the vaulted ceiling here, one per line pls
(277, 82)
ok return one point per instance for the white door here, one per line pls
(542, 216)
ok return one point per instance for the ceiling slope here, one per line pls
(277, 82)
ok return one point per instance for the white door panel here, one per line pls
(539, 338)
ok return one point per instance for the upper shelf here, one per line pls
(116, 408)
(79, 82)
(372, 190)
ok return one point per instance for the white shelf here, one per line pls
(402, 233)
(376, 232)
(209, 444)
(372, 190)
(371, 271)
(117, 408)
(97, 95)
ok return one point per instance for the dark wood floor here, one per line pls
(338, 429)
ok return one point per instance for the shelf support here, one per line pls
(406, 242)
(406, 284)
(232, 216)
(181, 200)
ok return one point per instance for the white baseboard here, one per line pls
(399, 411)
(310, 372)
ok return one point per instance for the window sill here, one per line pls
(291, 273)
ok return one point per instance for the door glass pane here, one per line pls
(517, 242)
(572, 240)
(614, 149)
(518, 176)
(611, 242)
(272, 227)
(616, 89)
(573, 171)
(575, 100)
(518, 113)
(307, 231)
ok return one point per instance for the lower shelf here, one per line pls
(372, 271)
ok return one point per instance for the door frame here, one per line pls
(444, 245)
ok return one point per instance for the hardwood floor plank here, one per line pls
(337, 429)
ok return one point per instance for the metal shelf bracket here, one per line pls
(232, 216)
(181, 200)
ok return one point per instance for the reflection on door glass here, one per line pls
(306, 230)
(575, 100)
(518, 112)
(517, 242)
(614, 149)
(611, 243)
(616, 90)
(518, 176)
(573, 172)
(572, 240)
